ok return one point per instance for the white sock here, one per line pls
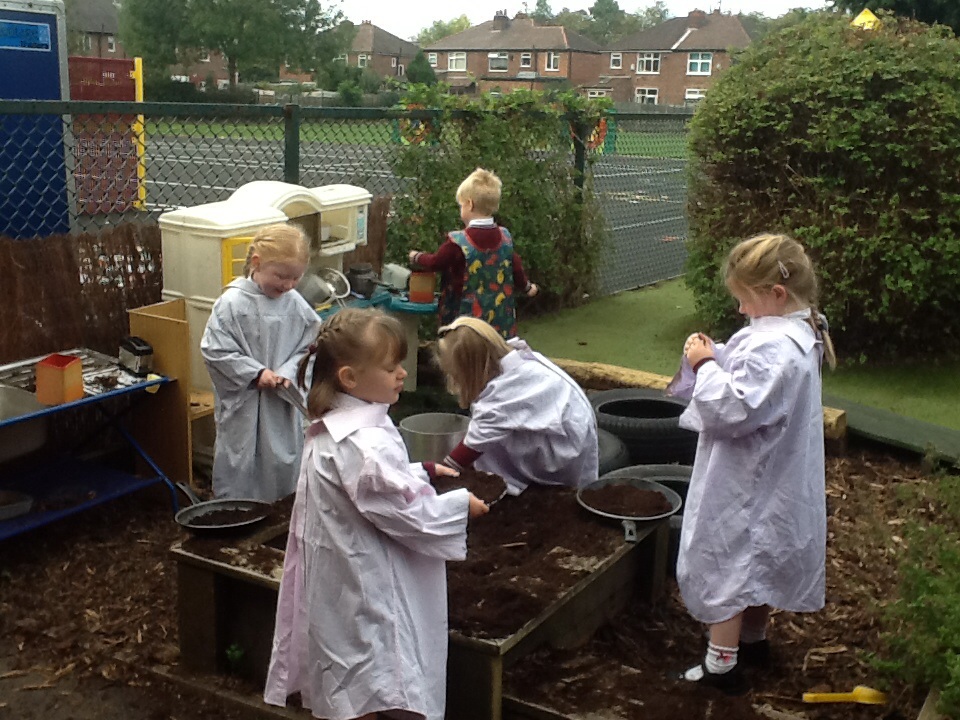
(718, 660)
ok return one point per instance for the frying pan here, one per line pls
(191, 517)
(630, 523)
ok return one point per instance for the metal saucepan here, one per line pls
(630, 523)
(192, 517)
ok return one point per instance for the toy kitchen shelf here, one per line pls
(61, 484)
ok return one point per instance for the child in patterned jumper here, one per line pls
(478, 265)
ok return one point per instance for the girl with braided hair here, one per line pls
(361, 625)
(257, 332)
(755, 527)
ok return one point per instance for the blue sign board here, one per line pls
(33, 173)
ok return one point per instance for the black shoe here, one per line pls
(733, 682)
(755, 654)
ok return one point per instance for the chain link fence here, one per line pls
(74, 167)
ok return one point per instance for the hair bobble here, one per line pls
(312, 349)
(784, 273)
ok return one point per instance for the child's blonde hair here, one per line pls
(482, 188)
(765, 260)
(352, 336)
(279, 243)
(469, 353)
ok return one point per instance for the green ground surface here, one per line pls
(645, 329)
(352, 132)
(651, 144)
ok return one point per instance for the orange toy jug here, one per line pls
(421, 286)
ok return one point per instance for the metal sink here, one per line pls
(20, 438)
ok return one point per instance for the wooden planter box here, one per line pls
(223, 605)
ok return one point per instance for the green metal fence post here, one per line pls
(291, 144)
(581, 131)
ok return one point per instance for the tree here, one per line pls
(542, 14)
(606, 20)
(420, 70)
(441, 29)
(248, 33)
(945, 12)
(577, 21)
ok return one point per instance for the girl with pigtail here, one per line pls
(361, 626)
(754, 527)
(257, 332)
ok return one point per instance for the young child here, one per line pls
(362, 612)
(754, 529)
(529, 421)
(257, 333)
(479, 268)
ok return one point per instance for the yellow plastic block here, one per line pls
(59, 379)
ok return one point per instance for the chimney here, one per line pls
(366, 22)
(697, 19)
(500, 20)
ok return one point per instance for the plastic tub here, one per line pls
(430, 437)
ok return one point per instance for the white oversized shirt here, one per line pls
(533, 424)
(362, 610)
(259, 434)
(754, 526)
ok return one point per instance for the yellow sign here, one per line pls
(866, 20)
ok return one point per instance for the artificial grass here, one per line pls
(645, 330)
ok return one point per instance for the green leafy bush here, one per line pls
(922, 629)
(847, 139)
(524, 137)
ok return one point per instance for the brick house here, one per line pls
(372, 47)
(504, 54)
(673, 63)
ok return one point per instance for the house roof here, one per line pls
(520, 33)
(93, 16)
(375, 40)
(697, 31)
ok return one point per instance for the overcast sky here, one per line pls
(406, 19)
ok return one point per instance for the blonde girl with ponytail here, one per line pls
(754, 526)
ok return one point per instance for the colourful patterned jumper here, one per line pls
(487, 285)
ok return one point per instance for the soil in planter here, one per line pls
(626, 501)
(486, 486)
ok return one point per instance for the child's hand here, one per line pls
(534, 289)
(697, 348)
(440, 469)
(269, 380)
(413, 256)
(477, 506)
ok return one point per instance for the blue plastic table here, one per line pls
(63, 484)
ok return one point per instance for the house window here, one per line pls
(362, 61)
(432, 59)
(616, 61)
(393, 62)
(646, 96)
(400, 70)
(526, 60)
(457, 61)
(341, 58)
(596, 93)
(205, 56)
(87, 43)
(497, 61)
(111, 44)
(553, 61)
(692, 95)
(648, 63)
(699, 63)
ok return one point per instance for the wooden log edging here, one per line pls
(600, 376)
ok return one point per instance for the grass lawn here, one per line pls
(645, 329)
(652, 144)
(352, 132)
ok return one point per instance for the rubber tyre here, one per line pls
(613, 453)
(648, 422)
(675, 477)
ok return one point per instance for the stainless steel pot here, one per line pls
(430, 437)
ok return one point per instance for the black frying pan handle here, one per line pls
(188, 491)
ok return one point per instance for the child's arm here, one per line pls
(746, 396)
(520, 280)
(223, 353)
(444, 258)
